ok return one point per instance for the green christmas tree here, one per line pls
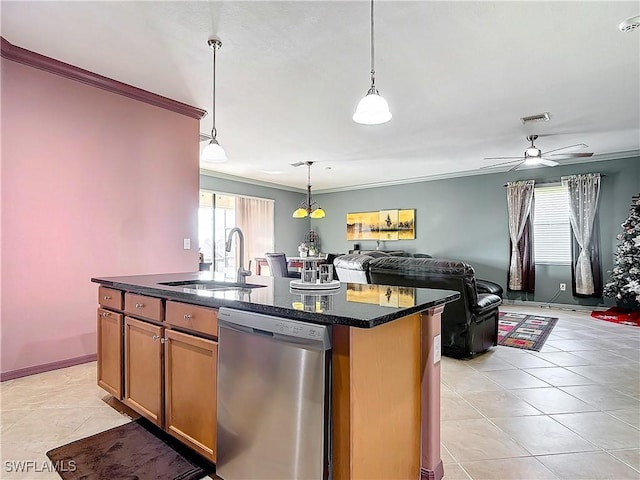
(625, 277)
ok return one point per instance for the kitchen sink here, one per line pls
(211, 285)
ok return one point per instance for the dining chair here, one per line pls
(278, 265)
(329, 260)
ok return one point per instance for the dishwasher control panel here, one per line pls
(297, 329)
(277, 326)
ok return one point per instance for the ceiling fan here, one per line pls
(534, 156)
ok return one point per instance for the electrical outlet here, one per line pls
(186, 243)
(437, 348)
(563, 287)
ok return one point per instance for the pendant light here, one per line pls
(309, 207)
(372, 109)
(213, 152)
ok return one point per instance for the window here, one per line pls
(551, 232)
(219, 213)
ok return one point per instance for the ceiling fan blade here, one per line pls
(205, 137)
(572, 155)
(577, 145)
(548, 163)
(297, 164)
(495, 165)
(504, 158)
(516, 166)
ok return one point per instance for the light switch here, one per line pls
(437, 348)
(186, 243)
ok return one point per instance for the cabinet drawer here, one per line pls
(110, 298)
(143, 306)
(192, 317)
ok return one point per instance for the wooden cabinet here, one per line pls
(143, 306)
(109, 333)
(192, 317)
(143, 368)
(110, 298)
(163, 368)
(110, 351)
(190, 390)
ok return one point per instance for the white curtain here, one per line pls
(519, 200)
(254, 216)
(584, 191)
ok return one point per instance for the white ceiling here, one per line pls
(457, 75)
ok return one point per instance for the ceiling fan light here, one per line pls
(318, 213)
(533, 152)
(532, 161)
(300, 213)
(372, 110)
(213, 153)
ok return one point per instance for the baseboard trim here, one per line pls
(47, 367)
(560, 306)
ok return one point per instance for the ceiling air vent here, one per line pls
(541, 117)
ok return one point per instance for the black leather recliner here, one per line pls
(486, 286)
(469, 324)
(353, 268)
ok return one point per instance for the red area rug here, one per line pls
(619, 315)
(528, 332)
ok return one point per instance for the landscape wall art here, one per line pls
(382, 225)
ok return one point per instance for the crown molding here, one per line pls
(250, 181)
(471, 173)
(51, 65)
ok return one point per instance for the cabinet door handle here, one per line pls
(155, 337)
(107, 297)
(106, 314)
(187, 317)
(139, 305)
(164, 340)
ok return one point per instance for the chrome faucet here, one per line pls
(242, 273)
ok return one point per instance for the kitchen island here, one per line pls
(157, 352)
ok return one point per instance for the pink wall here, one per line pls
(93, 184)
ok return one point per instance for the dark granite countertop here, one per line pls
(352, 304)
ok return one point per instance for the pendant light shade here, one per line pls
(309, 207)
(372, 109)
(317, 213)
(213, 152)
(300, 213)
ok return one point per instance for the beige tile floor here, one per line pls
(571, 411)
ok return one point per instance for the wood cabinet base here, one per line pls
(143, 368)
(190, 391)
(386, 400)
(110, 351)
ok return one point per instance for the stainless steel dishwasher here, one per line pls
(273, 397)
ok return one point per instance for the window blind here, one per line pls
(551, 231)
